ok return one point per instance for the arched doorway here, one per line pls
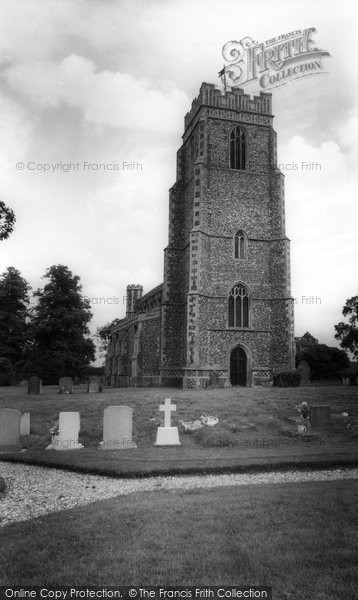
(238, 366)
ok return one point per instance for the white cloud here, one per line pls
(106, 98)
(320, 208)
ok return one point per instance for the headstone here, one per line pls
(117, 428)
(94, 386)
(214, 379)
(67, 438)
(65, 385)
(167, 435)
(9, 430)
(34, 385)
(304, 371)
(25, 424)
(320, 416)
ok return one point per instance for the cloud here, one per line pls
(321, 207)
(107, 98)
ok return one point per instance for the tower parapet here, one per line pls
(134, 293)
(235, 100)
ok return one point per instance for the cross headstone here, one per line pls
(167, 435)
(25, 424)
(9, 430)
(67, 438)
(117, 428)
(320, 416)
(167, 408)
(65, 385)
(34, 385)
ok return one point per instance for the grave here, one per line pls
(67, 438)
(117, 428)
(9, 430)
(25, 424)
(65, 385)
(167, 435)
(34, 385)
(94, 386)
(320, 416)
(304, 371)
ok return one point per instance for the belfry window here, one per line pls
(239, 306)
(238, 149)
(240, 245)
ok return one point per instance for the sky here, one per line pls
(109, 81)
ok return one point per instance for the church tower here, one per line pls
(227, 310)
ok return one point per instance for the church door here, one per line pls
(238, 366)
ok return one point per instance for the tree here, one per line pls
(14, 329)
(324, 361)
(7, 221)
(61, 342)
(103, 334)
(348, 332)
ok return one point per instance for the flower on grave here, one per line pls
(304, 410)
(55, 429)
(209, 420)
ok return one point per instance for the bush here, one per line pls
(286, 378)
(324, 361)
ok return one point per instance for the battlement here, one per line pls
(234, 99)
(150, 300)
(134, 292)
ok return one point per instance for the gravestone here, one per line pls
(167, 435)
(67, 438)
(117, 428)
(25, 424)
(214, 379)
(9, 430)
(34, 385)
(304, 371)
(65, 385)
(94, 386)
(320, 416)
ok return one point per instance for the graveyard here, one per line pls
(271, 533)
(120, 431)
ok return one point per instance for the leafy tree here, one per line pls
(7, 221)
(103, 334)
(61, 342)
(324, 361)
(14, 329)
(348, 332)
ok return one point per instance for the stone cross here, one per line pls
(167, 408)
(167, 435)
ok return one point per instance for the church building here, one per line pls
(224, 313)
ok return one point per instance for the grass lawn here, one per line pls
(300, 538)
(256, 429)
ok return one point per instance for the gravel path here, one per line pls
(33, 491)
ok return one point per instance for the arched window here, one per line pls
(239, 306)
(240, 245)
(238, 149)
